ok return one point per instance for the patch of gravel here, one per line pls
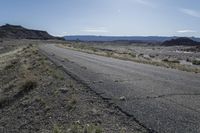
(48, 100)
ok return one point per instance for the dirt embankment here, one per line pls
(145, 56)
(36, 96)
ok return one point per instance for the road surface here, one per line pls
(165, 100)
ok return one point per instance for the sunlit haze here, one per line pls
(105, 17)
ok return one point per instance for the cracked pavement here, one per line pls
(165, 100)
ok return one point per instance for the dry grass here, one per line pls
(196, 62)
(76, 127)
(174, 64)
(29, 83)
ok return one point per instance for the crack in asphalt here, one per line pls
(168, 95)
(150, 89)
(183, 106)
(105, 99)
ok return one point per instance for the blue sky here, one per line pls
(105, 17)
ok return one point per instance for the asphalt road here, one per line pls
(165, 100)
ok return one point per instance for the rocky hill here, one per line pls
(184, 41)
(150, 39)
(18, 32)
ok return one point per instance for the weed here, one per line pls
(152, 56)
(92, 129)
(40, 100)
(132, 55)
(58, 74)
(11, 65)
(123, 130)
(196, 62)
(109, 54)
(171, 61)
(56, 129)
(71, 84)
(28, 85)
(165, 60)
(66, 59)
(140, 55)
(88, 128)
(175, 61)
(72, 103)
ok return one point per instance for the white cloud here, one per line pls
(145, 2)
(186, 31)
(95, 30)
(190, 12)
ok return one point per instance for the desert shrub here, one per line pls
(165, 60)
(171, 61)
(28, 85)
(88, 128)
(152, 56)
(174, 61)
(132, 55)
(11, 65)
(92, 129)
(109, 54)
(57, 74)
(140, 55)
(196, 62)
(72, 103)
(56, 129)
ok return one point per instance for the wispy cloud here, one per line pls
(190, 12)
(145, 2)
(95, 30)
(186, 31)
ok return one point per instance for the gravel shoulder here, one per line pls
(37, 96)
(184, 58)
(162, 99)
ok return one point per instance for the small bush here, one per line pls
(11, 65)
(171, 61)
(72, 104)
(57, 74)
(56, 129)
(165, 60)
(132, 55)
(88, 128)
(29, 85)
(109, 54)
(141, 55)
(152, 56)
(92, 129)
(174, 61)
(196, 62)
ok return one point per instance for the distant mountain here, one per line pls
(195, 39)
(125, 38)
(19, 32)
(181, 41)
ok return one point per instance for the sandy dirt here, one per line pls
(37, 96)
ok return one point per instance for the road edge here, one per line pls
(105, 99)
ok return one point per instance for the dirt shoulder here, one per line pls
(37, 96)
(132, 56)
